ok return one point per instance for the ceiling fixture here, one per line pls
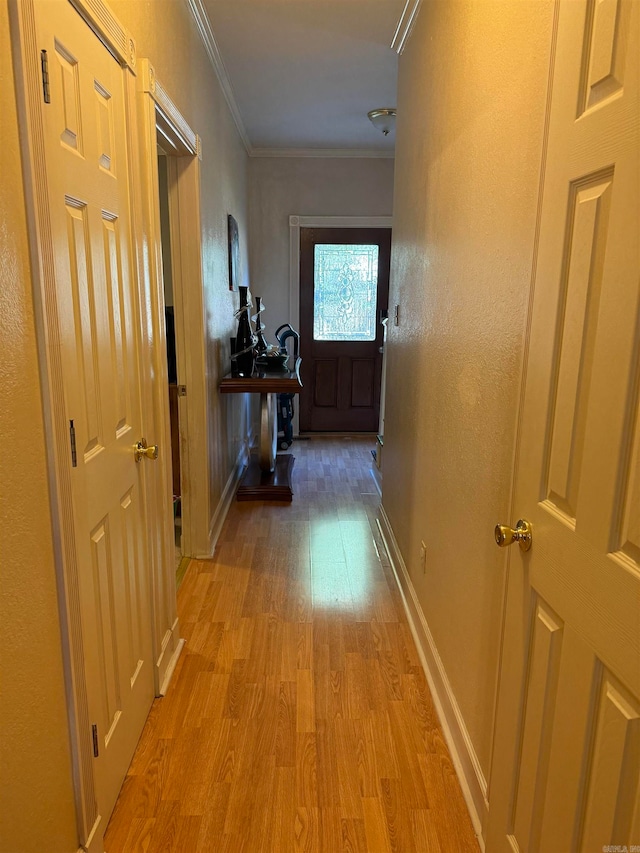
(383, 119)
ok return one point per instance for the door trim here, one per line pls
(121, 45)
(509, 556)
(295, 224)
(109, 30)
(161, 117)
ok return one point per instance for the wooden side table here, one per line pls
(268, 475)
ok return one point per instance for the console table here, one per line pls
(268, 475)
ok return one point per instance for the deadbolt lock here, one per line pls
(143, 450)
(507, 535)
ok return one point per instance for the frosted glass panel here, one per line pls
(345, 285)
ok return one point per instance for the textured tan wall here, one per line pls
(36, 795)
(471, 102)
(315, 186)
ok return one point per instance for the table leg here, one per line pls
(268, 432)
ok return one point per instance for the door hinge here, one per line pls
(72, 441)
(182, 390)
(44, 64)
(94, 736)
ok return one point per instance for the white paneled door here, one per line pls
(566, 764)
(87, 173)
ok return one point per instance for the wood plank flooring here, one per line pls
(299, 717)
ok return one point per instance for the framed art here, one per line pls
(234, 253)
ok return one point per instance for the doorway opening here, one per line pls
(172, 185)
(172, 364)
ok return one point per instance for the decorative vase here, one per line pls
(261, 344)
(245, 341)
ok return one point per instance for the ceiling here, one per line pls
(304, 73)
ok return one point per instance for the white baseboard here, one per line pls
(226, 498)
(168, 673)
(168, 658)
(465, 760)
(95, 841)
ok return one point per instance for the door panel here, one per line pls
(362, 383)
(85, 128)
(577, 325)
(566, 766)
(612, 756)
(545, 644)
(325, 383)
(341, 334)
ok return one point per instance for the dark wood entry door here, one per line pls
(344, 288)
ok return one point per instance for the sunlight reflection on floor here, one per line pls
(344, 561)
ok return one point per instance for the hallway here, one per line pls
(299, 717)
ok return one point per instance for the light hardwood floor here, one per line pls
(299, 717)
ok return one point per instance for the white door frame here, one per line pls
(162, 120)
(29, 84)
(295, 224)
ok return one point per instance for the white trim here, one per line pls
(328, 153)
(203, 24)
(405, 25)
(109, 30)
(189, 313)
(184, 141)
(170, 668)
(162, 117)
(155, 384)
(465, 760)
(197, 9)
(226, 499)
(294, 276)
(169, 648)
(295, 224)
(95, 841)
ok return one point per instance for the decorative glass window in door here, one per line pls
(345, 285)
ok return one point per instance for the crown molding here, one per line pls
(322, 153)
(203, 24)
(199, 13)
(405, 25)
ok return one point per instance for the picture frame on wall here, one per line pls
(234, 253)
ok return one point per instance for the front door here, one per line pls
(566, 763)
(87, 173)
(344, 287)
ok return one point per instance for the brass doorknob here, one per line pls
(142, 450)
(507, 535)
